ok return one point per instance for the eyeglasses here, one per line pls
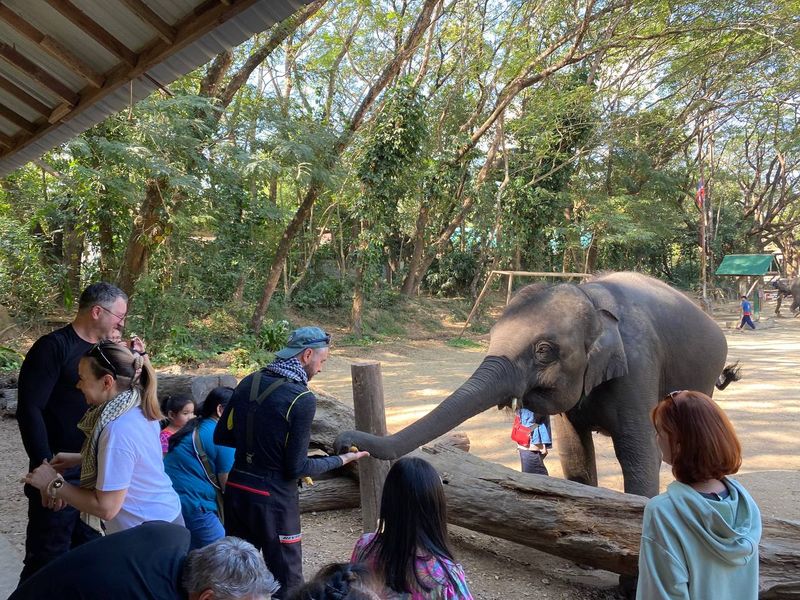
(120, 317)
(97, 352)
(326, 339)
(673, 394)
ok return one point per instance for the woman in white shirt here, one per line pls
(122, 473)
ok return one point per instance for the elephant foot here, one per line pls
(627, 586)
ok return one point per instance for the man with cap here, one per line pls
(268, 422)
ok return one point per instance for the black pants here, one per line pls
(265, 511)
(51, 533)
(532, 462)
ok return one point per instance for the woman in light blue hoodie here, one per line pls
(700, 537)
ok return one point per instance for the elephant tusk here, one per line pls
(514, 404)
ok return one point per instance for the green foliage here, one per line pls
(10, 360)
(326, 292)
(452, 274)
(462, 343)
(26, 285)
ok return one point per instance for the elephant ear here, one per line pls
(606, 356)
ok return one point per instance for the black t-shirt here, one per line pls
(49, 405)
(144, 562)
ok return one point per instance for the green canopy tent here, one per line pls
(750, 265)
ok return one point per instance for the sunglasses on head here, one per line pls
(673, 394)
(97, 352)
(326, 339)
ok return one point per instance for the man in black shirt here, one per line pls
(48, 411)
(150, 562)
(268, 421)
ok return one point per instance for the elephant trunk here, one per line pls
(491, 384)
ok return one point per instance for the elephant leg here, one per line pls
(576, 451)
(639, 457)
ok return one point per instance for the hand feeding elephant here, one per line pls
(600, 355)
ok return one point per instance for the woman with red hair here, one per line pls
(700, 537)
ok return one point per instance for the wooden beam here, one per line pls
(24, 97)
(6, 141)
(95, 31)
(19, 121)
(165, 31)
(51, 46)
(37, 73)
(59, 112)
(194, 26)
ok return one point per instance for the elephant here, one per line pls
(788, 288)
(599, 355)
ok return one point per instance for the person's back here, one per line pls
(410, 554)
(136, 564)
(688, 534)
(700, 537)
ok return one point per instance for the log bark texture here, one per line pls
(338, 493)
(196, 386)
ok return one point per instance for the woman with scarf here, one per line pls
(122, 473)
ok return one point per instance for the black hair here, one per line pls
(219, 396)
(413, 519)
(100, 293)
(339, 581)
(174, 403)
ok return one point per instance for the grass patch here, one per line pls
(462, 343)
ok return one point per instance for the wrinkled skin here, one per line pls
(788, 288)
(599, 356)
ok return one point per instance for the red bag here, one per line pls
(520, 433)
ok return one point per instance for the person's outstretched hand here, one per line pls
(349, 457)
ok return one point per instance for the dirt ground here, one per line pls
(764, 406)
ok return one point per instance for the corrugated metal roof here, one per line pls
(202, 30)
(746, 264)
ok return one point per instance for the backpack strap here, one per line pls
(255, 401)
(200, 452)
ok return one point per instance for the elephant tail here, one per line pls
(729, 374)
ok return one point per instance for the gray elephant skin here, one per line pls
(599, 355)
(788, 288)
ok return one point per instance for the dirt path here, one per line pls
(764, 406)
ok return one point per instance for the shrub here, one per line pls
(323, 293)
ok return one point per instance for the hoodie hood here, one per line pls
(730, 528)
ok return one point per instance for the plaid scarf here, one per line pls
(288, 367)
(92, 424)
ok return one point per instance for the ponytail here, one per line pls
(148, 383)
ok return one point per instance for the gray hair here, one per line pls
(102, 294)
(231, 568)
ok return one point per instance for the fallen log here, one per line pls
(195, 386)
(593, 526)
(338, 493)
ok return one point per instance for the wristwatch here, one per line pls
(55, 485)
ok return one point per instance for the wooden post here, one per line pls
(510, 287)
(371, 418)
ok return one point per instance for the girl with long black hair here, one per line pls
(410, 553)
(199, 469)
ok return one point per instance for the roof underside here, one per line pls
(746, 264)
(65, 65)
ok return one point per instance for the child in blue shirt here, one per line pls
(532, 456)
(746, 312)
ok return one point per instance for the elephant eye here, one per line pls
(545, 352)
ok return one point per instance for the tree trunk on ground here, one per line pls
(196, 386)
